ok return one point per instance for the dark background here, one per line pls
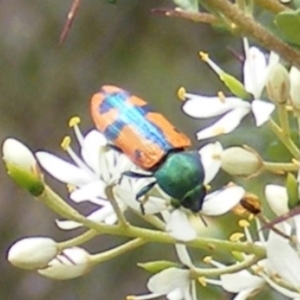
(42, 85)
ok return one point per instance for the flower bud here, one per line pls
(71, 263)
(32, 253)
(22, 166)
(295, 87)
(278, 84)
(238, 161)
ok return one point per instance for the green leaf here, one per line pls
(235, 86)
(188, 5)
(157, 266)
(292, 190)
(288, 22)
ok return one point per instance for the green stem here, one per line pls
(59, 206)
(110, 195)
(117, 251)
(53, 201)
(283, 119)
(79, 240)
(289, 144)
(280, 168)
(163, 237)
(247, 26)
(227, 270)
(153, 220)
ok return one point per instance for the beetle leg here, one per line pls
(142, 193)
(137, 175)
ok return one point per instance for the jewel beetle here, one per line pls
(152, 143)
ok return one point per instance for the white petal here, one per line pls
(179, 226)
(89, 191)
(211, 160)
(175, 295)
(277, 198)
(64, 171)
(67, 224)
(205, 107)
(274, 59)
(295, 86)
(243, 295)
(255, 71)
(72, 263)
(225, 125)
(168, 280)
(183, 254)
(283, 260)
(262, 111)
(126, 193)
(93, 144)
(222, 201)
(242, 280)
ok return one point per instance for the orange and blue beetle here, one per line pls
(152, 143)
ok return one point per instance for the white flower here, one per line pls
(32, 253)
(277, 198)
(174, 283)
(282, 266)
(235, 109)
(242, 283)
(98, 167)
(71, 263)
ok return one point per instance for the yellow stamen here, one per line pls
(257, 269)
(251, 217)
(181, 93)
(74, 121)
(66, 142)
(221, 96)
(130, 297)
(204, 56)
(202, 281)
(207, 259)
(207, 187)
(218, 131)
(71, 188)
(236, 237)
(244, 223)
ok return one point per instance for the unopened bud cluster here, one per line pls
(43, 255)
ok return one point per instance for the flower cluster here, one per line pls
(101, 174)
